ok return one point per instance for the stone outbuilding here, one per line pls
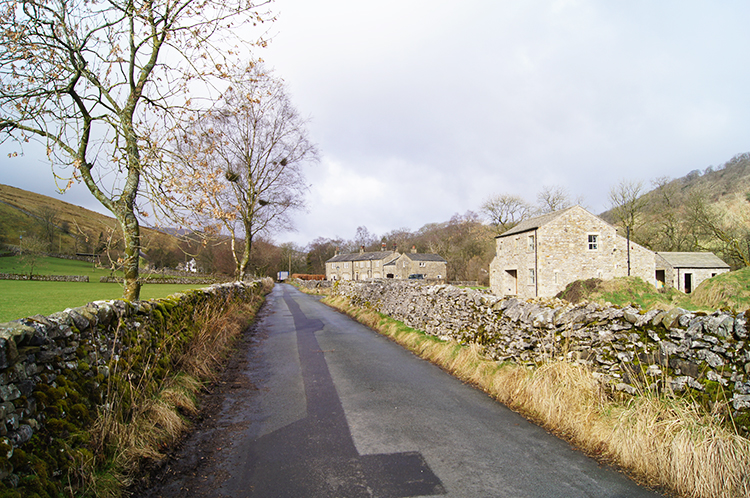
(541, 255)
(686, 270)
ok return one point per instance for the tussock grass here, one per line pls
(147, 416)
(660, 440)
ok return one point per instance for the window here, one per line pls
(593, 242)
(531, 243)
(422, 264)
(532, 276)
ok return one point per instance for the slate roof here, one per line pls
(693, 260)
(425, 257)
(367, 256)
(533, 223)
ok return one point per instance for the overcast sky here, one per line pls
(424, 109)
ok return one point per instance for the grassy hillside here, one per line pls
(21, 216)
(74, 229)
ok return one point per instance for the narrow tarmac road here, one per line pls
(321, 406)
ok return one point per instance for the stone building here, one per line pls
(686, 270)
(541, 255)
(386, 264)
(415, 265)
(358, 266)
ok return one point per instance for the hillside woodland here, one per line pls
(703, 211)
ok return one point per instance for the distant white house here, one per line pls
(189, 266)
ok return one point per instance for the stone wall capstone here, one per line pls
(622, 344)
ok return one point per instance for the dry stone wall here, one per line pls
(44, 278)
(625, 346)
(56, 370)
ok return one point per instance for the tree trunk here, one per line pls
(131, 233)
(244, 261)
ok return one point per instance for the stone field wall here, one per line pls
(56, 371)
(626, 346)
(44, 278)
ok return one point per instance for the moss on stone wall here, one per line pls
(64, 373)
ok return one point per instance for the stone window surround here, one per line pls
(593, 241)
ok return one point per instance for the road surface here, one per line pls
(321, 406)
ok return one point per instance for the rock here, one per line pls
(22, 435)
(670, 319)
(9, 392)
(678, 384)
(8, 352)
(713, 359)
(722, 325)
(740, 326)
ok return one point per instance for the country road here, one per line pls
(318, 405)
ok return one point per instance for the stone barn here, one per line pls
(541, 255)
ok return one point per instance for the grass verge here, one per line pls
(663, 441)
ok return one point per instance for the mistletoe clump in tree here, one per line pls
(238, 166)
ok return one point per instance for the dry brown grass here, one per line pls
(662, 441)
(139, 425)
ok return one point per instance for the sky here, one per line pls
(423, 109)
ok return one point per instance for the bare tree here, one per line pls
(505, 211)
(627, 203)
(555, 198)
(91, 79)
(33, 249)
(363, 238)
(49, 220)
(239, 166)
(670, 231)
(716, 229)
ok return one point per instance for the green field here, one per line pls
(22, 298)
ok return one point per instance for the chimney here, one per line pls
(336, 253)
(382, 246)
(414, 249)
(361, 249)
(395, 247)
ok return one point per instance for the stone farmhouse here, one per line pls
(409, 265)
(540, 256)
(386, 264)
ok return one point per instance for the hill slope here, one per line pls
(702, 211)
(67, 228)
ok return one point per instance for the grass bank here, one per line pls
(726, 291)
(663, 441)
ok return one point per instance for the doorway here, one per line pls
(512, 282)
(688, 283)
